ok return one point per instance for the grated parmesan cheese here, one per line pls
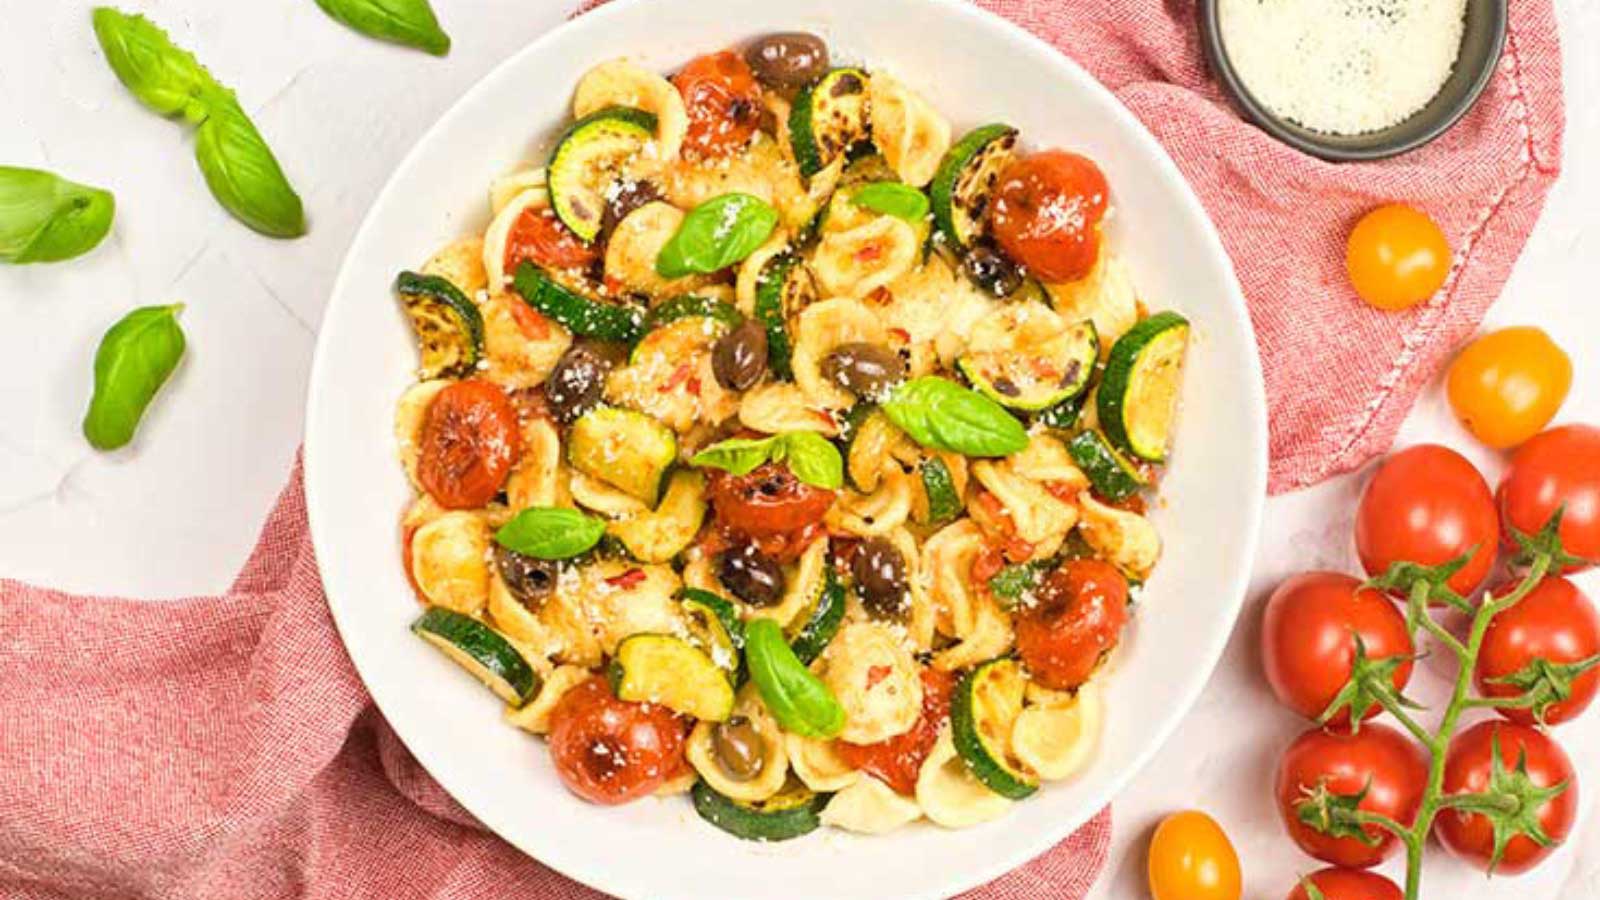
(1343, 66)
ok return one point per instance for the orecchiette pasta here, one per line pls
(774, 769)
(857, 262)
(660, 534)
(1054, 740)
(619, 603)
(880, 512)
(496, 278)
(1106, 295)
(778, 407)
(949, 795)
(635, 244)
(622, 83)
(868, 806)
(821, 327)
(535, 715)
(449, 561)
(521, 345)
(409, 414)
(819, 765)
(875, 679)
(461, 263)
(538, 479)
(912, 136)
(1125, 538)
(510, 185)
(670, 376)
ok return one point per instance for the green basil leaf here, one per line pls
(891, 198)
(737, 455)
(46, 218)
(163, 76)
(716, 234)
(943, 415)
(550, 533)
(799, 700)
(1010, 583)
(408, 22)
(243, 174)
(812, 458)
(135, 359)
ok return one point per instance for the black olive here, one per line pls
(578, 382)
(530, 580)
(880, 577)
(792, 59)
(740, 357)
(751, 575)
(740, 749)
(989, 269)
(625, 196)
(866, 370)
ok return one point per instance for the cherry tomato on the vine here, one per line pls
(1555, 623)
(1191, 858)
(469, 442)
(767, 500)
(611, 751)
(723, 101)
(1558, 469)
(1379, 760)
(1046, 213)
(1077, 620)
(1397, 257)
(1309, 634)
(1508, 384)
(1346, 884)
(1470, 769)
(1428, 505)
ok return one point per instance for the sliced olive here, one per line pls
(866, 370)
(751, 575)
(530, 580)
(991, 270)
(880, 577)
(740, 749)
(578, 382)
(740, 357)
(790, 59)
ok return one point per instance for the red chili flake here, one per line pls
(1017, 550)
(876, 674)
(881, 295)
(532, 323)
(627, 580)
(988, 563)
(678, 376)
(869, 253)
(825, 417)
(694, 385)
(1062, 490)
(901, 335)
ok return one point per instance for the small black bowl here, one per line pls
(1481, 43)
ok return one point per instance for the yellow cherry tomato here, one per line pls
(1191, 858)
(1506, 385)
(1397, 257)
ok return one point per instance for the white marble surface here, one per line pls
(177, 512)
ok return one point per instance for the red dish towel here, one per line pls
(222, 747)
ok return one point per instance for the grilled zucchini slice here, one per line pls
(789, 813)
(985, 704)
(1025, 357)
(628, 450)
(784, 287)
(660, 668)
(966, 179)
(448, 326)
(481, 650)
(583, 316)
(588, 158)
(829, 118)
(1138, 397)
(1110, 473)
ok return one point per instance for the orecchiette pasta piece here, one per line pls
(619, 82)
(1055, 740)
(498, 235)
(534, 716)
(920, 620)
(670, 376)
(461, 263)
(1107, 295)
(880, 512)
(508, 186)
(876, 447)
(521, 345)
(949, 795)
(594, 494)
(1124, 538)
(681, 783)
(623, 599)
(557, 629)
(990, 636)
(803, 584)
(698, 573)
(818, 764)
(857, 262)
(634, 245)
(761, 171)
(774, 757)
(912, 136)
(875, 679)
(936, 308)
(947, 557)
(777, 407)
(660, 534)
(409, 414)
(1038, 516)
(870, 807)
(1046, 460)
(423, 509)
(821, 327)
(537, 479)
(449, 561)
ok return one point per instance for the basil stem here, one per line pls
(134, 360)
(799, 700)
(550, 533)
(46, 218)
(408, 22)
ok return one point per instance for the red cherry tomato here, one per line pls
(1555, 623)
(1557, 469)
(611, 751)
(1047, 211)
(1428, 505)
(723, 101)
(469, 442)
(1389, 766)
(1077, 620)
(896, 761)
(1308, 640)
(768, 500)
(1347, 884)
(539, 237)
(1467, 770)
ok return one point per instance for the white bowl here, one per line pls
(975, 68)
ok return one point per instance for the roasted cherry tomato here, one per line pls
(611, 751)
(1346, 884)
(1559, 469)
(1555, 623)
(1508, 384)
(1046, 213)
(767, 500)
(1397, 257)
(469, 442)
(1308, 640)
(1428, 505)
(1076, 621)
(896, 761)
(1379, 760)
(1469, 768)
(723, 101)
(539, 237)
(1191, 858)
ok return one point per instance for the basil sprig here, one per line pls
(550, 533)
(408, 22)
(46, 218)
(135, 359)
(237, 164)
(891, 198)
(716, 234)
(799, 700)
(810, 456)
(943, 415)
